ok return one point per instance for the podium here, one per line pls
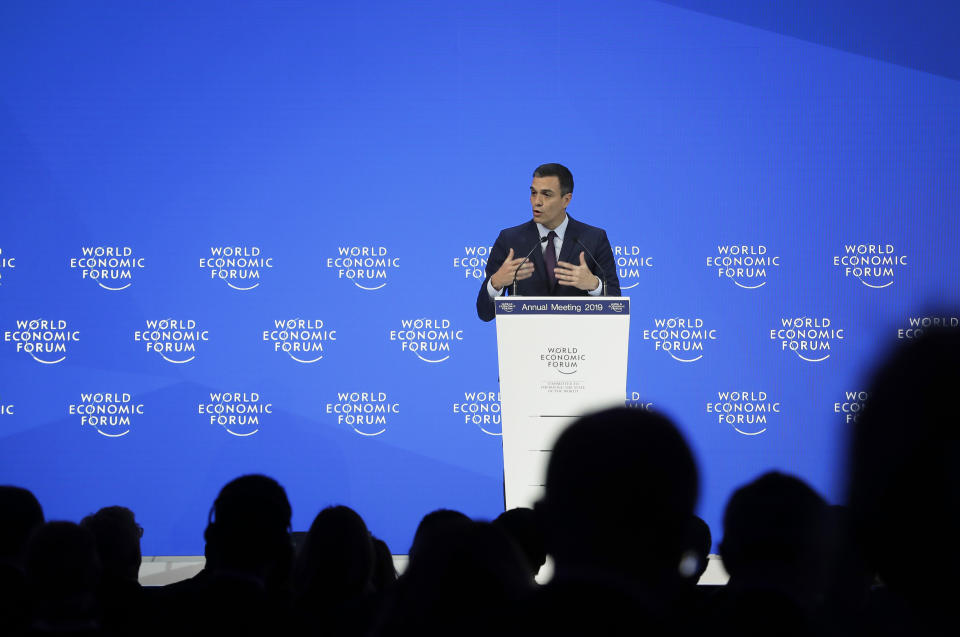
(560, 358)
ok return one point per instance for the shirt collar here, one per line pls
(560, 230)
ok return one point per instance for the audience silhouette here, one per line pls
(245, 584)
(520, 525)
(21, 515)
(464, 579)
(693, 564)
(384, 570)
(122, 600)
(774, 549)
(696, 552)
(620, 489)
(431, 526)
(904, 489)
(333, 577)
(63, 573)
(616, 517)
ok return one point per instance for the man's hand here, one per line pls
(578, 276)
(504, 276)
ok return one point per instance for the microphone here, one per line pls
(603, 274)
(535, 246)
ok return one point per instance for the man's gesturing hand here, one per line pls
(504, 276)
(578, 276)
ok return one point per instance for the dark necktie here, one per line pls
(550, 259)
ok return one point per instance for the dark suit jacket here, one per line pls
(524, 237)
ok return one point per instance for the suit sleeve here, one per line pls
(498, 254)
(608, 263)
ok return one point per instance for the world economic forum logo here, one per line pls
(7, 409)
(367, 413)
(238, 413)
(682, 338)
(811, 338)
(367, 267)
(481, 409)
(916, 325)
(473, 262)
(430, 339)
(45, 340)
(174, 339)
(748, 412)
(303, 340)
(565, 360)
(851, 406)
(112, 267)
(6, 262)
(240, 267)
(630, 263)
(874, 265)
(634, 400)
(748, 266)
(112, 414)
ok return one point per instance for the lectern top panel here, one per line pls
(563, 305)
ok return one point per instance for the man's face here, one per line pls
(549, 206)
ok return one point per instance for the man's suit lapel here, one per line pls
(570, 252)
(539, 279)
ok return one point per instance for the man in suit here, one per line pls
(559, 247)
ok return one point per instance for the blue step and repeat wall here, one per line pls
(247, 237)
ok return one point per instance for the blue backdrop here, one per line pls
(234, 235)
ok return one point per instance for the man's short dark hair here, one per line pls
(117, 536)
(559, 171)
(620, 489)
(249, 524)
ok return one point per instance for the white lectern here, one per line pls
(560, 358)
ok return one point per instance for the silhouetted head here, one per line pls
(384, 571)
(520, 525)
(433, 524)
(21, 514)
(249, 526)
(336, 560)
(621, 485)
(117, 536)
(460, 580)
(696, 550)
(775, 532)
(63, 572)
(904, 490)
